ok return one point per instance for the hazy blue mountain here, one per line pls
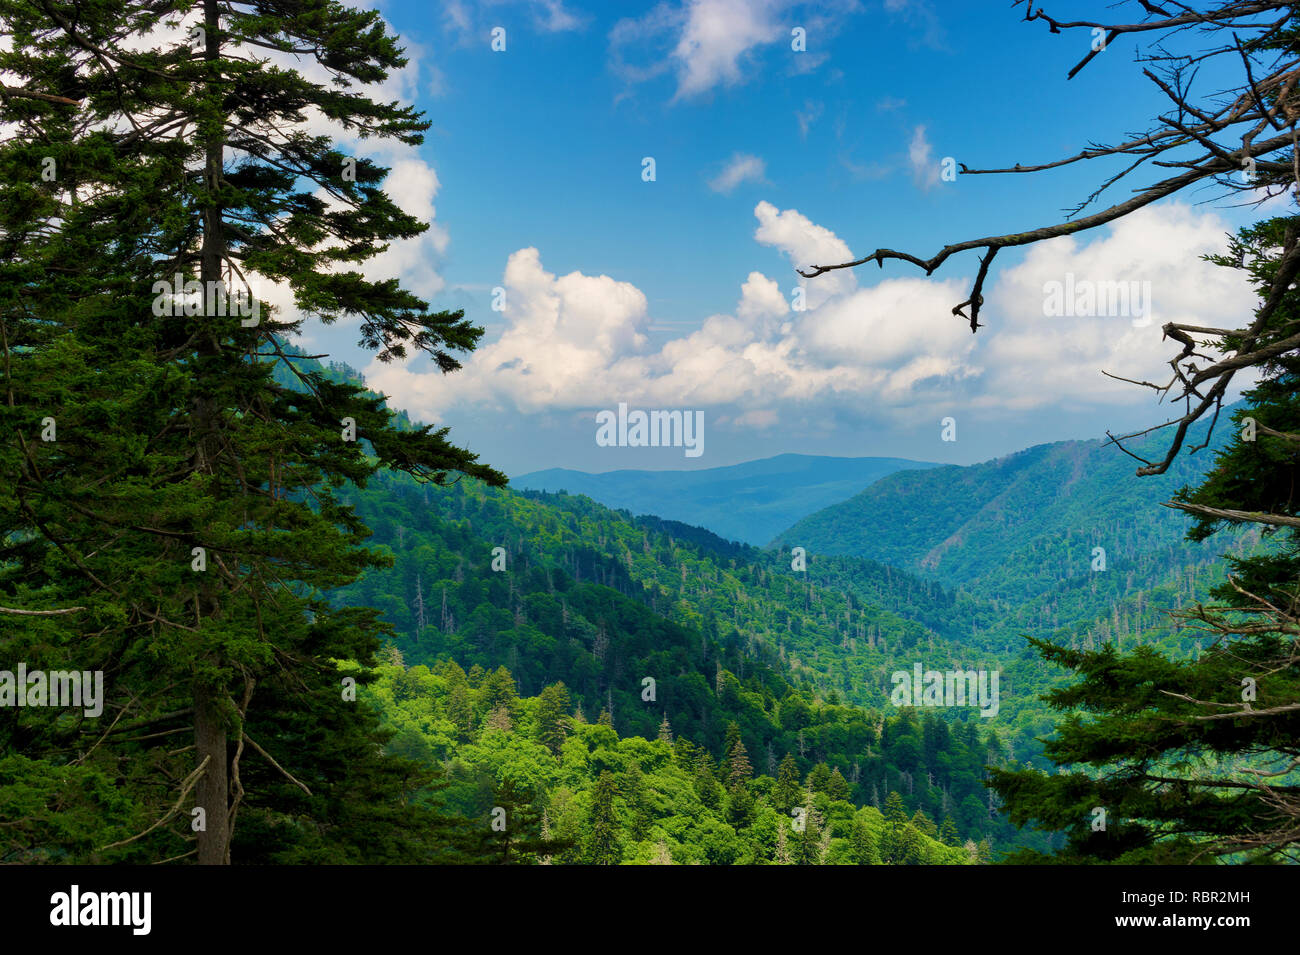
(750, 502)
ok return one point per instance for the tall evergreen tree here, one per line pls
(808, 848)
(186, 514)
(665, 731)
(603, 844)
(893, 839)
(634, 795)
(552, 716)
(706, 781)
(837, 787)
(786, 793)
(862, 844)
(924, 824)
(739, 770)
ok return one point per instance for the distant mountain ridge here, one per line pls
(750, 502)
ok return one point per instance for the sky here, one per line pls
(620, 195)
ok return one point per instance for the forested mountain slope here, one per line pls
(841, 627)
(1034, 515)
(574, 791)
(589, 597)
(1029, 532)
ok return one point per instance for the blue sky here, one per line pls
(675, 293)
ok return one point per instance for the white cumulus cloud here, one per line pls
(894, 348)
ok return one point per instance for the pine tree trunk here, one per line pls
(212, 793)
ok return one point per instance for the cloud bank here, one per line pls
(798, 347)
